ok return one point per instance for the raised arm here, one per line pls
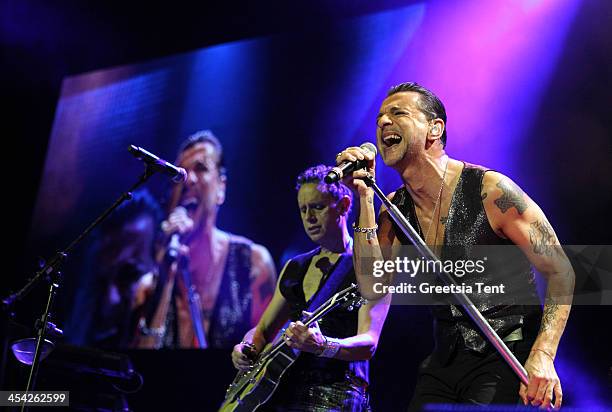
(371, 245)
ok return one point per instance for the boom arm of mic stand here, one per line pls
(448, 279)
(54, 264)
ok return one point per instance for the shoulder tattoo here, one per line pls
(512, 197)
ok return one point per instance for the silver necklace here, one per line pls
(433, 215)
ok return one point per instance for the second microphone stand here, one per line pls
(174, 261)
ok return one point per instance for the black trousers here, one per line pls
(470, 377)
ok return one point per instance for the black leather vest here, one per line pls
(467, 226)
(231, 316)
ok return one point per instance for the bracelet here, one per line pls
(330, 348)
(364, 229)
(369, 231)
(542, 350)
(157, 332)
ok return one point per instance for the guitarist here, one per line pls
(332, 371)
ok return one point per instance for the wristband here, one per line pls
(330, 348)
(157, 332)
(369, 231)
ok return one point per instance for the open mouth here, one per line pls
(391, 140)
(190, 203)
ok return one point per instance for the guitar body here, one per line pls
(250, 390)
(253, 388)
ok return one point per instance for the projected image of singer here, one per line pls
(215, 285)
(456, 204)
(331, 373)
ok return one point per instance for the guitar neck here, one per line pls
(321, 311)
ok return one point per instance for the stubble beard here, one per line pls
(393, 156)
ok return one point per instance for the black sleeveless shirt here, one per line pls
(231, 316)
(339, 323)
(467, 226)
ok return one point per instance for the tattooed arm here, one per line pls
(513, 215)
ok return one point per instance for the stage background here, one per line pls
(526, 86)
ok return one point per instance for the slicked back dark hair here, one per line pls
(205, 136)
(429, 103)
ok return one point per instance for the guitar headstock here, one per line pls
(348, 298)
(352, 299)
(344, 295)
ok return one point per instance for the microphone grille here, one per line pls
(181, 175)
(369, 147)
(181, 209)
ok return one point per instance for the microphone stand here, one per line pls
(448, 279)
(193, 297)
(51, 272)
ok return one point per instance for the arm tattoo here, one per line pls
(512, 196)
(542, 238)
(549, 315)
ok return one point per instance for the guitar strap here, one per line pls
(331, 286)
(333, 282)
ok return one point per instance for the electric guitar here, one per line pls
(251, 389)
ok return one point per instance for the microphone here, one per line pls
(174, 241)
(178, 174)
(174, 245)
(346, 167)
